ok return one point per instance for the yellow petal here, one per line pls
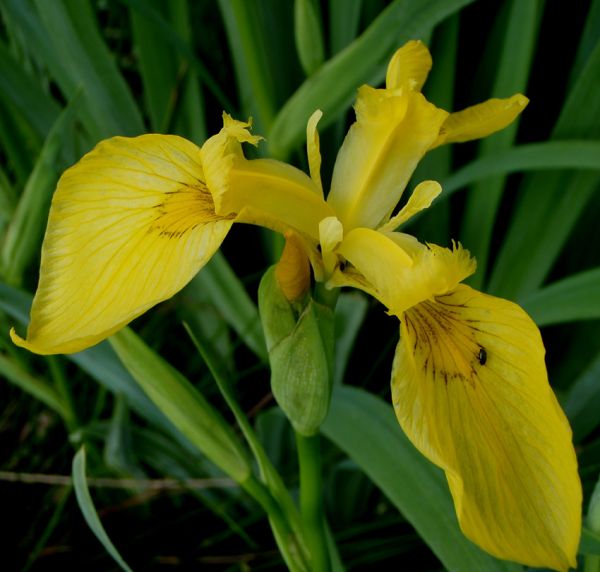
(393, 130)
(470, 390)
(409, 66)
(129, 226)
(293, 270)
(313, 150)
(423, 195)
(399, 273)
(261, 191)
(331, 233)
(481, 120)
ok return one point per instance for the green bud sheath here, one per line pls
(300, 345)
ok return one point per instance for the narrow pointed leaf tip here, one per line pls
(129, 226)
(470, 389)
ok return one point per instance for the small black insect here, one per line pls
(482, 356)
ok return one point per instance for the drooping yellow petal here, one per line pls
(393, 130)
(261, 191)
(293, 269)
(313, 150)
(399, 273)
(481, 120)
(409, 66)
(423, 195)
(129, 226)
(470, 390)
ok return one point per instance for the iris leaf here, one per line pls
(86, 504)
(567, 300)
(550, 204)
(551, 155)
(512, 73)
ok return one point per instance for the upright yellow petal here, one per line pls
(331, 233)
(313, 150)
(423, 195)
(393, 130)
(260, 191)
(409, 66)
(481, 120)
(470, 390)
(129, 226)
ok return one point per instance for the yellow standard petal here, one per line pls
(331, 233)
(470, 390)
(313, 148)
(409, 66)
(393, 130)
(129, 226)
(260, 191)
(481, 120)
(423, 195)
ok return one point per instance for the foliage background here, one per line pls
(73, 72)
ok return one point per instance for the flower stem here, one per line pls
(311, 501)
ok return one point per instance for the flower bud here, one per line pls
(300, 349)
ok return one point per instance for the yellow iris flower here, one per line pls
(136, 219)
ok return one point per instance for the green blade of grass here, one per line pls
(102, 364)
(86, 504)
(590, 542)
(582, 402)
(267, 470)
(185, 407)
(170, 79)
(309, 35)
(364, 427)
(40, 389)
(17, 143)
(24, 234)
(109, 107)
(550, 205)
(156, 63)
(332, 87)
(350, 312)
(549, 155)
(435, 227)
(344, 19)
(512, 75)
(588, 41)
(229, 296)
(119, 454)
(254, 79)
(25, 93)
(190, 119)
(184, 49)
(570, 299)
(8, 198)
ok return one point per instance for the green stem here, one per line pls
(287, 541)
(311, 501)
